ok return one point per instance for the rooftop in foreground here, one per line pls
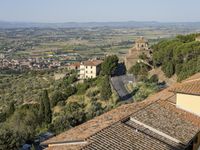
(155, 123)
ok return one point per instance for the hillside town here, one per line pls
(99, 75)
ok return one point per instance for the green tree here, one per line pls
(48, 113)
(168, 69)
(139, 69)
(8, 139)
(57, 96)
(18, 128)
(82, 87)
(75, 113)
(2, 117)
(70, 90)
(60, 124)
(41, 113)
(45, 109)
(94, 109)
(109, 65)
(105, 88)
(11, 109)
(179, 55)
(153, 79)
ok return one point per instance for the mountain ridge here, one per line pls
(10, 24)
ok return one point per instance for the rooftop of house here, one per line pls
(159, 116)
(76, 64)
(189, 87)
(155, 123)
(92, 62)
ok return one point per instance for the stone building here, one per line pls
(141, 46)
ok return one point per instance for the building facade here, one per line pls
(89, 69)
(141, 46)
(188, 97)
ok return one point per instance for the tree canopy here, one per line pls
(178, 56)
(109, 65)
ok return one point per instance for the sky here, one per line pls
(57, 11)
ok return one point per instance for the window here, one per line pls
(91, 67)
(86, 67)
(91, 71)
(86, 71)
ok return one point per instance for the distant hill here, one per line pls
(5, 24)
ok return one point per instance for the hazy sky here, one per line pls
(99, 10)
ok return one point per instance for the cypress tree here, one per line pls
(47, 107)
(11, 109)
(41, 110)
(105, 90)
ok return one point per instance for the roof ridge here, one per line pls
(156, 131)
(121, 120)
(192, 80)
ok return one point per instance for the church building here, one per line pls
(141, 46)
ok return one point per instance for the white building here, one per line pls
(90, 69)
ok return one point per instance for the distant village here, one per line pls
(86, 68)
(39, 62)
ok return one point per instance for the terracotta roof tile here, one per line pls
(92, 62)
(65, 147)
(93, 126)
(122, 137)
(76, 64)
(189, 87)
(113, 119)
(159, 116)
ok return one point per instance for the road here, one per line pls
(119, 82)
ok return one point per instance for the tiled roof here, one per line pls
(109, 131)
(189, 87)
(193, 78)
(76, 64)
(98, 123)
(123, 137)
(92, 62)
(93, 126)
(169, 122)
(154, 135)
(65, 147)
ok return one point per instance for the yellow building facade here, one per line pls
(190, 103)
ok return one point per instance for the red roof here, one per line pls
(97, 126)
(189, 87)
(92, 62)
